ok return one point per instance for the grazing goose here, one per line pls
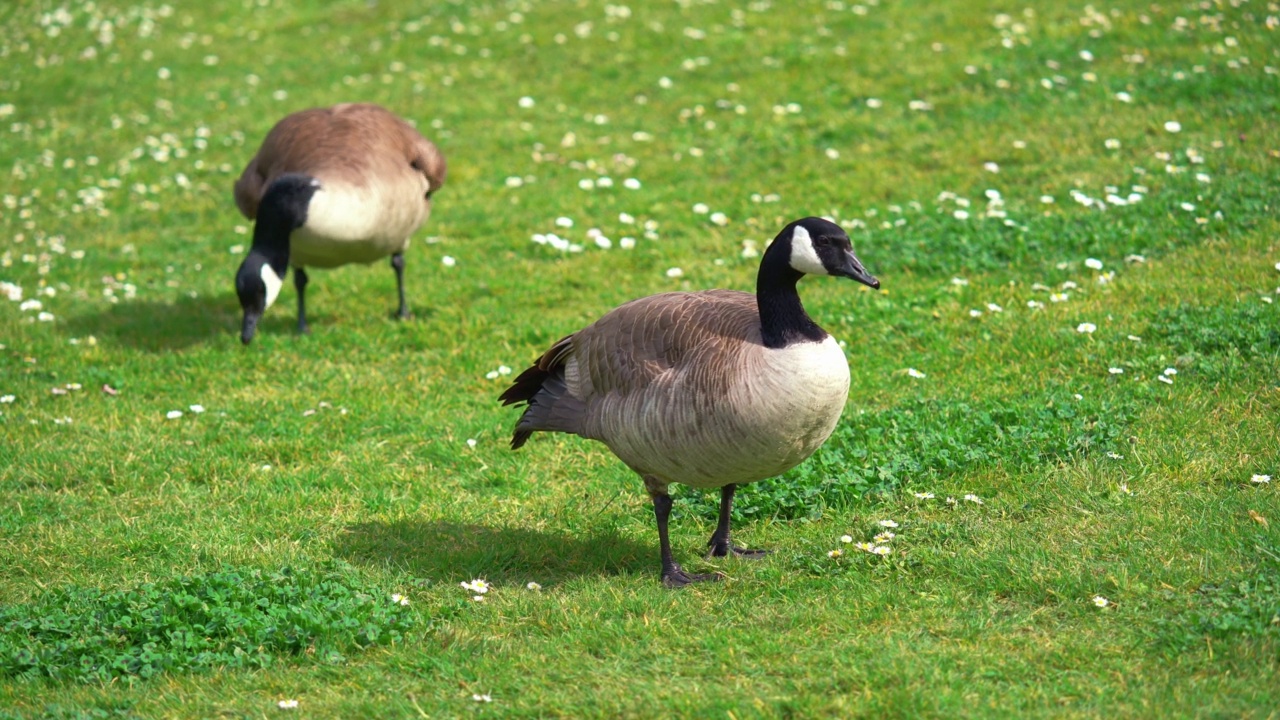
(712, 389)
(331, 186)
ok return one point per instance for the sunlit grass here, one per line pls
(933, 132)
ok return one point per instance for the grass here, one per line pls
(223, 620)
(343, 456)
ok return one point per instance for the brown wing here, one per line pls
(353, 142)
(249, 189)
(647, 341)
(648, 350)
(285, 149)
(427, 159)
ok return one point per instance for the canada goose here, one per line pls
(711, 389)
(331, 186)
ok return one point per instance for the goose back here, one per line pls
(376, 173)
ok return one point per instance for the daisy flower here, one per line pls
(476, 586)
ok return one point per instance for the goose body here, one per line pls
(711, 389)
(700, 384)
(332, 186)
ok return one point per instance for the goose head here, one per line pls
(257, 284)
(820, 247)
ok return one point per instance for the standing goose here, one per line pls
(712, 389)
(331, 186)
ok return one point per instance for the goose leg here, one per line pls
(397, 264)
(673, 576)
(719, 542)
(300, 282)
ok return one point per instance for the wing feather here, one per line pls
(640, 343)
(356, 142)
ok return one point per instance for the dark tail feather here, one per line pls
(542, 386)
(520, 438)
(526, 385)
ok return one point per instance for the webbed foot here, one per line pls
(725, 548)
(676, 577)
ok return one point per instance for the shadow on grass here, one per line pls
(445, 551)
(159, 326)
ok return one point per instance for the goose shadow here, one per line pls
(164, 326)
(443, 551)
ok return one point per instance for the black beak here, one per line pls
(249, 326)
(853, 269)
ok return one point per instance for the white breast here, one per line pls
(348, 214)
(810, 368)
(794, 401)
(357, 224)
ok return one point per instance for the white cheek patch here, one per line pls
(273, 283)
(803, 257)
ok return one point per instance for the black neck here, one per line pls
(783, 320)
(272, 251)
(282, 210)
(271, 234)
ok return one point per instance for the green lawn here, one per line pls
(1074, 213)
